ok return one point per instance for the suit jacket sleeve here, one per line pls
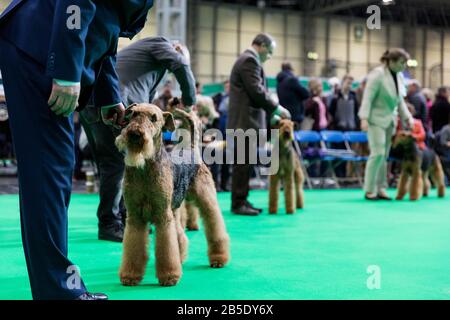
(251, 78)
(107, 88)
(170, 59)
(67, 46)
(370, 93)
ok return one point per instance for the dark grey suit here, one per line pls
(249, 102)
(249, 97)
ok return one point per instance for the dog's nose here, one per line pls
(286, 134)
(134, 136)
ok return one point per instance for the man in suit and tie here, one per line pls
(249, 103)
(54, 54)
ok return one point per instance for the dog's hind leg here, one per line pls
(416, 186)
(426, 183)
(192, 216)
(402, 185)
(299, 181)
(274, 185)
(167, 252)
(203, 191)
(135, 254)
(183, 242)
(289, 193)
(437, 175)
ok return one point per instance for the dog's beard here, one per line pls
(133, 157)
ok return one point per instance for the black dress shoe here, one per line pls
(251, 206)
(92, 296)
(112, 232)
(245, 210)
(384, 197)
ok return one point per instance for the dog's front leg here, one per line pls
(168, 261)
(135, 256)
(289, 194)
(402, 185)
(274, 182)
(416, 186)
(215, 230)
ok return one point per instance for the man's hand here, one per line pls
(282, 112)
(64, 99)
(275, 120)
(364, 125)
(411, 123)
(114, 115)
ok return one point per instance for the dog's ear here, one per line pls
(169, 122)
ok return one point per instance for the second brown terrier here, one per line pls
(290, 173)
(154, 188)
(417, 166)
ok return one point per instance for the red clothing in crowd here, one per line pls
(418, 132)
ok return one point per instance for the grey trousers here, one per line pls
(375, 178)
(110, 164)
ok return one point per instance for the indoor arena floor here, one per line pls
(322, 252)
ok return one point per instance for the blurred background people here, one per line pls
(291, 94)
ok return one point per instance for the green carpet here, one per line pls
(322, 252)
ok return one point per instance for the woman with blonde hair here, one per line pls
(315, 106)
(383, 100)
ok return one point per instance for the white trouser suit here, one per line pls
(381, 105)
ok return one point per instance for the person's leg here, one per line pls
(44, 147)
(110, 164)
(240, 178)
(382, 173)
(377, 141)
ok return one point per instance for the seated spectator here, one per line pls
(315, 106)
(205, 108)
(163, 99)
(344, 107)
(440, 111)
(428, 94)
(291, 94)
(443, 142)
(417, 99)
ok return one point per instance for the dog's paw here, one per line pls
(169, 280)
(193, 227)
(217, 264)
(130, 281)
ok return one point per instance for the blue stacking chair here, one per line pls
(306, 137)
(352, 138)
(168, 136)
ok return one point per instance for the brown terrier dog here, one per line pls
(289, 173)
(154, 188)
(416, 168)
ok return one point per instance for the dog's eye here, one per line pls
(153, 118)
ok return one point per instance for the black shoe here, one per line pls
(92, 296)
(112, 232)
(248, 204)
(374, 198)
(245, 210)
(384, 197)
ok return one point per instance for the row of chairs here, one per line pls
(333, 148)
(330, 147)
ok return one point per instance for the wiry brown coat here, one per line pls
(148, 191)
